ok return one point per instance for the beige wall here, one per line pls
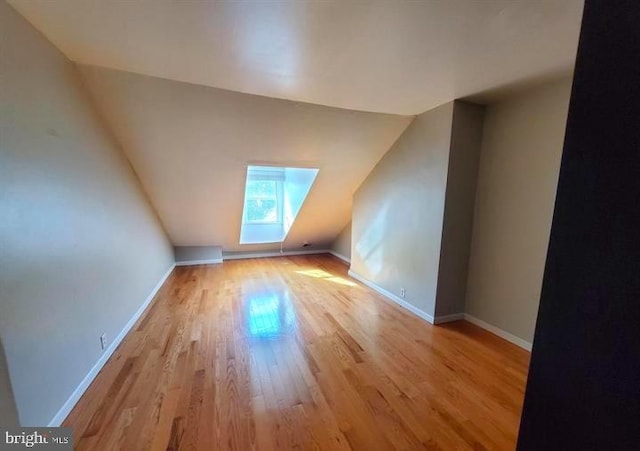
(191, 145)
(398, 211)
(464, 156)
(197, 253)
(521, 149)
(81, 246)
(342, 244)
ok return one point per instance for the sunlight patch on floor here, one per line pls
(320, 274)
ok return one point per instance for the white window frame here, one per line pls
(278, 198)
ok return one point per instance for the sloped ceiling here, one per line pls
(190, 146)
(154, 68)
(386, 56)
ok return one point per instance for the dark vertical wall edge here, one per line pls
(583, 390)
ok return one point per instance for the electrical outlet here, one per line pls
(402, 292)
(103, 341)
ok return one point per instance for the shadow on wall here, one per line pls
(8, 411)
(370, 247)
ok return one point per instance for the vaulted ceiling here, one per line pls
(194, 91)
(378, 55)
(190, 146)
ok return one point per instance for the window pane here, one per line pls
(262, 210)
(265, 189)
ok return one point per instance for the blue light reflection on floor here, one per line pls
(270, 314)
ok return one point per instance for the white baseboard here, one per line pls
(79, 391)
(272, 254)
(341, 257)
(211, 261)
(499, 332)
(448, 318)
(413, 309)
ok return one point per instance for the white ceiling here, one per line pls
(153, 66)
(384, 56)
(190, 145)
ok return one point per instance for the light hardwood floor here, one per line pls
(289, 352)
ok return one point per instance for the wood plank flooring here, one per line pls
(289, 353)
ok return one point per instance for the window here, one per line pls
(272, 199)
(262, 203)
